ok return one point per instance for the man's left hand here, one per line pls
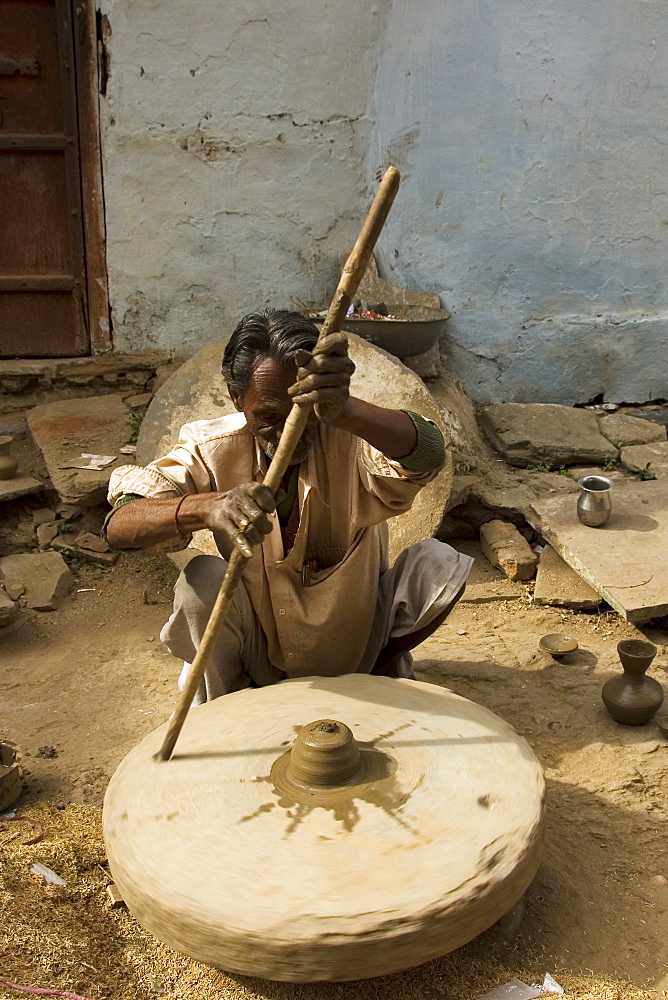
(323, 378)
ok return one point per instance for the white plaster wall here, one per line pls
(533, 138)
(234, 140)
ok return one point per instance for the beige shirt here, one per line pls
(347, 490)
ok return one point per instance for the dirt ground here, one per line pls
(83, 684)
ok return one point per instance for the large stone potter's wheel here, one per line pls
(222, 853)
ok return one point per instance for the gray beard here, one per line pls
(299, 454)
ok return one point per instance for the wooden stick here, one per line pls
(295, 424)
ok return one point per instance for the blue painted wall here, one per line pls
(533, 140)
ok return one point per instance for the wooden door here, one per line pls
(43, 308)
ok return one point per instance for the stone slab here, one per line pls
(62, 430)
(197, 391)
(19, 486)
(650, 457)
(45, 577)
(544, 433)
(624, 561)
(623, 429)
(560, 586)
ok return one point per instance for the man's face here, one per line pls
(266, 404)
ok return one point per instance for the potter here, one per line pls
(317, 594)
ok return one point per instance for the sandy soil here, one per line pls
(82, 685)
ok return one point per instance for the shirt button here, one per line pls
(281, 611)
(291, 656)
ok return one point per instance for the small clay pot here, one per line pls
(557, 644)
(633, 699)
(8, 464)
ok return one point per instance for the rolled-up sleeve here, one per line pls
(182, 471)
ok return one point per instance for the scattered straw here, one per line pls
(35, 839)
(68, 940)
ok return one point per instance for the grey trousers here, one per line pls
(424, 580)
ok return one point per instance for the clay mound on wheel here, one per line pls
(197, 391)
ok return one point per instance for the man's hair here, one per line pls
(273, 333)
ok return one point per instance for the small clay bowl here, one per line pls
(557, 645)
(662, 723)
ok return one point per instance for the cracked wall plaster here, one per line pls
(532, 140)
(242, 141)
(234, 140)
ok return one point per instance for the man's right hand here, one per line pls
(242, 515)
(238, 519)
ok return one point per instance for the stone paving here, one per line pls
(624, 561)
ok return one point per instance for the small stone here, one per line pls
(42, 516)
(504, 547)
(141, 399)
(658, 880)
(46, 534)
(44, 575)
(87, 540)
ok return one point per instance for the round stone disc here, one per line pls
(221, 863)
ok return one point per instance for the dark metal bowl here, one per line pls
(415, 330)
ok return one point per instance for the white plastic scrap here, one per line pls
(551, 985)
(515, 989)
(93, 463)
(49, 876)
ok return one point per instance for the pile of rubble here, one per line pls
(52, 508)
(518, 510)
